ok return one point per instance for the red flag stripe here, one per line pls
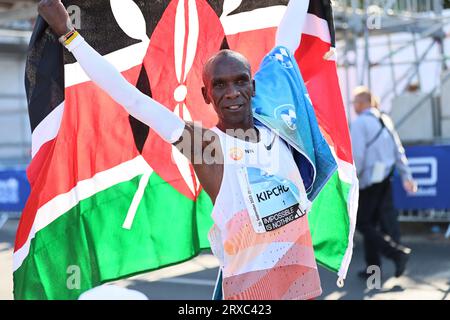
(320, 76)
(79, 151)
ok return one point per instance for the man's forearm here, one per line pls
(290, 30)
(401, 162)
(139, 105)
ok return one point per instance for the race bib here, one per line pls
(272, 202)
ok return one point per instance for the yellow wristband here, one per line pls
(65, 36)
(71, 38)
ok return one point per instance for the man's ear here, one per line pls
(254, 88)
(205, 95)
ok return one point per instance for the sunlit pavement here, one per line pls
(427, 276)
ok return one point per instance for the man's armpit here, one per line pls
(186, 142)
(212, 151)
(200, 145)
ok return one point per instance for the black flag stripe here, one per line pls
(323, 9)
(44, 77)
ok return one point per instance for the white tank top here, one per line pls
(277, 264)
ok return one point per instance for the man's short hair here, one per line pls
(362, 91)
(225, 53)
(365, 92)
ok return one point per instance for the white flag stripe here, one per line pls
(186, 114)
(123, 59)
(47, 129)
(347, 174)
(130, 19)
(346, 171)
(254, 20)
(352, 210)
(317, 27)
(269, 18)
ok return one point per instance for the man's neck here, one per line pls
(246, 132)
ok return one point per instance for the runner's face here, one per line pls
(230, 88)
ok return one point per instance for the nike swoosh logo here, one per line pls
(270, 146)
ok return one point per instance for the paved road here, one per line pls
(427, 277)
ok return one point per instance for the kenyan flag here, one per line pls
(111, 199)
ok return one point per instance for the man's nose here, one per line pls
(232, 92)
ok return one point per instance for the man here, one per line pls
(377, 150)
(260, 234)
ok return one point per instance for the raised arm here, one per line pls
(290, 30)
(142, 107)
(106, 76)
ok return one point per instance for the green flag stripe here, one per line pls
(164, 232)
(330, 224)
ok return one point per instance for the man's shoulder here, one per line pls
(362, 119)
(362, 124)
(368, 117)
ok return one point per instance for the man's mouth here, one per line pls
(235, 107)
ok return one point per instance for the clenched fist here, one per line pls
(54, 12)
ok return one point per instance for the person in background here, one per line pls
(377, 151)
(389, 223)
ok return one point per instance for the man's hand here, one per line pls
(410, 186)
(54, 12)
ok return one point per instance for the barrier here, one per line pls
(14, 191)
(430, 166)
